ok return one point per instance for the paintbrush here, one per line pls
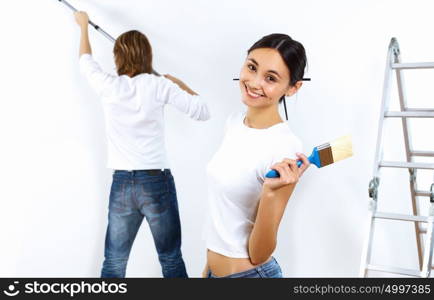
(325, 154)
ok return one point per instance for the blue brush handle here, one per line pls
(313, 159)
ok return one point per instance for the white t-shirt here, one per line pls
(235, 177)
(134, 114)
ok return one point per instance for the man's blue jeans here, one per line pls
(134, 195)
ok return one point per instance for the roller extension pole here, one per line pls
(97, 28)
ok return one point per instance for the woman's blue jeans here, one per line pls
(134, 195)
(270, 269)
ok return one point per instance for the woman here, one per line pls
(143, 186)
(246, 207)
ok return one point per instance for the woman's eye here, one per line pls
(271, 78)
(251, 67)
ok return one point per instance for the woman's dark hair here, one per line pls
(291, 51)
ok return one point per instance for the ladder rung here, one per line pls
(413, 165)
(419, 109)
(422, 153)
(391, 216)
(409, 114)
(394, 270)
(420, 65)
(423, 193)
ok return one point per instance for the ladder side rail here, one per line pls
(429, 244)
(367, 247)
(408, 150)
(393, 47)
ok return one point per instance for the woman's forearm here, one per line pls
(263, 237)
(274, 197)
(82, 20)
(84, 41)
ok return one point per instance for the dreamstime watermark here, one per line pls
(71, 289)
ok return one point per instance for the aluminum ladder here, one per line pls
(424, 249)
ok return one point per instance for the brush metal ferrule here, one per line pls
(325, 154)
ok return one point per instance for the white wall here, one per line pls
(54, 184)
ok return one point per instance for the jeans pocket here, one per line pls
(153, 188)
(155, 197)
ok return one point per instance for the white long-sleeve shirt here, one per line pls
(134, 114)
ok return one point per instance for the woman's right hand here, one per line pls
(81, 18)
(289, 172)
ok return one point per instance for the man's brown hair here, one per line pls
(133, 54)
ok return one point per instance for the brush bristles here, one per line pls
(342, 148)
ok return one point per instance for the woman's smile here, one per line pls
(252, 94)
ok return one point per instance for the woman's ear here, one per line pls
(294, 89)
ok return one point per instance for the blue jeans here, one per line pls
(270, 269)
(134, 195)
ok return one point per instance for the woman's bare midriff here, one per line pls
(221, 265)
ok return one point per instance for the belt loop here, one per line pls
(261, 271)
